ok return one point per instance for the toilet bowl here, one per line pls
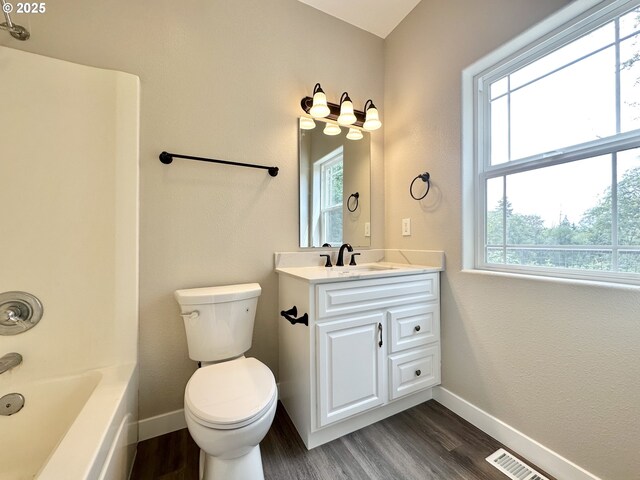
(229, 402)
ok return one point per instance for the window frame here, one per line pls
(565, 26)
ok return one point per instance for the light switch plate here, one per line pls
(406, 227)
(367, 229)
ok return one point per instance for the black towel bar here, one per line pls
(167, 158)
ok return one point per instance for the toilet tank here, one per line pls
(218, 320)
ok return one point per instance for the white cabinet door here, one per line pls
(350, 366)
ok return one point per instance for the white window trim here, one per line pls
(543, 36)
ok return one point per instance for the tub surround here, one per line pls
(73, 198)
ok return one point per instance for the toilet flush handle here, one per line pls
(191, 315)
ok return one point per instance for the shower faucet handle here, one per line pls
(19, 311)
(14, 317)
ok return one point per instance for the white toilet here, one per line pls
(230, 402)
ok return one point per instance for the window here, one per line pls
(327, 210)
(555, 147)
(331, 201)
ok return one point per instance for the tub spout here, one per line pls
(9, 361)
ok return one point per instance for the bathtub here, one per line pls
(71, 428)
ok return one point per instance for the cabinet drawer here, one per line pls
(413, 326)
(341, 298)
(414, 370)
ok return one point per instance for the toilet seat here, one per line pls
(230, 394)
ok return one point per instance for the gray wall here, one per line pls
(221, 79)
(556, 360)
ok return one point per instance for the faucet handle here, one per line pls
(353, 258)
(328, 262)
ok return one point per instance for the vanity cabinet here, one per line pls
(371, 349)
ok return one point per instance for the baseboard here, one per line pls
(161, 424)
(543, 457)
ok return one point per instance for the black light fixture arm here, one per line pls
(369, 104)
(167, 158)
(344, 97)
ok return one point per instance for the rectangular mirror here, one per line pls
(335, 188)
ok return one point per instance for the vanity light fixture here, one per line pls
(344, 113)
(319, 108)
(372, 118)
(332, 129)
(354, 134)
(307, 123)
(347, 117)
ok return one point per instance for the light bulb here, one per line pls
(307, 123)
(332, 129)
(354, 134)
(372, 120)
(319, 109)
(347, 117)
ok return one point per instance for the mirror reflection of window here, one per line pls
(330, 170)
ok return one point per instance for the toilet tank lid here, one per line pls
(224, 293)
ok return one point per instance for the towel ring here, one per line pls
(356, 196)
(425, 177)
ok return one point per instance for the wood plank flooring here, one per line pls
(427, 442)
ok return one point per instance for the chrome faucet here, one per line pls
(340, 262)
(9, 361)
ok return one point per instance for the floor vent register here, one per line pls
(513, 467)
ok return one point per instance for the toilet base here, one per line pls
(247, 466)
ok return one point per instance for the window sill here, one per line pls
(609, 284)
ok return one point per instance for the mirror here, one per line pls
(335, 188)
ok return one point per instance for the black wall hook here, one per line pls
(425, 177)
(292, 313)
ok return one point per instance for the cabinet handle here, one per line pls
(417, 328)
(380, 333)
(418, 373)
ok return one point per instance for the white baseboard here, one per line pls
(161, 424)
(546, 459)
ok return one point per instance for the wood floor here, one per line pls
(427, 442)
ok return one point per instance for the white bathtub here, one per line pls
(72, 428)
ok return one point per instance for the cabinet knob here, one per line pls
(418, 373)
(417, 328)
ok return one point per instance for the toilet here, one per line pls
(230, 402)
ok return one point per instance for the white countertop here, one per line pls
(319, 274)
